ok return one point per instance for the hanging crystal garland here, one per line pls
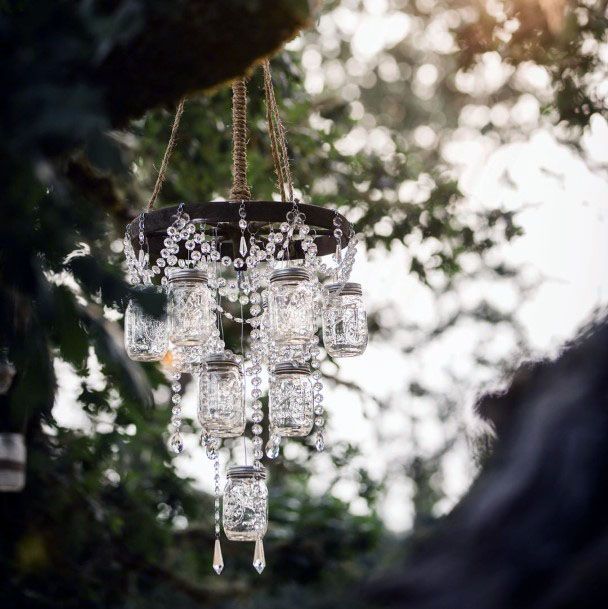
(279, 269)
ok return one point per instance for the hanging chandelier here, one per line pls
(276, 269)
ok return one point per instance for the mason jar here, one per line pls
(290, 400)
(146, 336)
(12, 462)
(221, 401)
(190, 315)
(245, 504)
(291, 306)
(344, 320)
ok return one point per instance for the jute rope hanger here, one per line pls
(162, 172)
(278, 138)
(240, 188)
(278, 142)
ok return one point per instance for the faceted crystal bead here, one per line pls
(272, 449)
(259, 560)
(218, 559)
(320, 442)
(176, 443)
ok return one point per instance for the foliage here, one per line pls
(105, 520)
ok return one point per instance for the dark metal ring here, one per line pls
(224, 216)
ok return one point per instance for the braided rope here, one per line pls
(240, 188)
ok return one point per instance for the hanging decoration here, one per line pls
(273, 268)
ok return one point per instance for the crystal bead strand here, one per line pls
(338, 236)
(218, 559)
(143, 257)
(176, 441)
(257, 416)
(317, 395)
(210, 442)
(130, 257)
(239, 262)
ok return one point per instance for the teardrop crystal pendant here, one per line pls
(320, 442)
(338, 253)
(272, 449)
(176, 443)
(218, 559)
(243, 247)
(259, 560)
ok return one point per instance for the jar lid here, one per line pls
(296, 273)
(188, 275)
(288, 368)
(345, 288)
(243, 472)
(221, 361)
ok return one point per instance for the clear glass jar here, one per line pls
(190, 315)
(344, 320)
(221, 401)
(245, 504)
(291, 306)
(12, 462)
(146, 337)
(290, 401)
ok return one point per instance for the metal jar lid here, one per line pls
(296, 273)
(245, 472)
(287, 368)
(345, 288)
(188, 275)
(221, 362)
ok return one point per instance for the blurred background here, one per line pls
(467, 142)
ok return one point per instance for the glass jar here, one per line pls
(245, 504)
(290, 401)
(344, 320)
(291, 307)
(221, 401)
(190, 315)
(146, 337)
(12, 462)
